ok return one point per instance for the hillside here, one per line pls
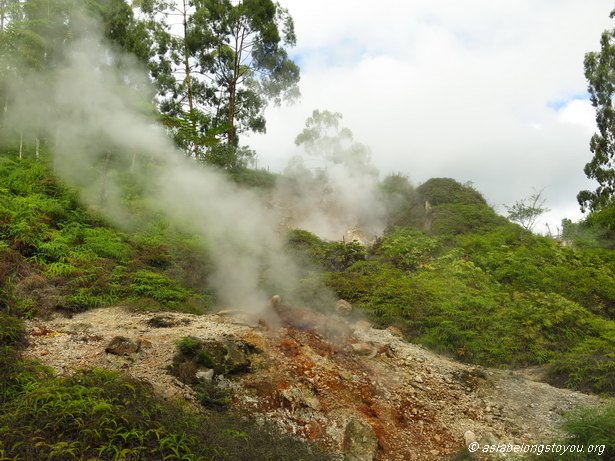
(505, 308)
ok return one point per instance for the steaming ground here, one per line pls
(96, 113)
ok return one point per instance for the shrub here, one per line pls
(460, 218)
(212, 396)
(100, 415)
(158, 287)
(12, 330)
(332, 256)
(189, 345)
(443, 191)
(406, 248)
(590, 365)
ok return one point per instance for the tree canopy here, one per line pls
(600, 74)
(213, 77)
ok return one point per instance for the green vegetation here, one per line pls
(59, 256)
(100, 415)
(467, 282)
(584, 428)
(451, 273)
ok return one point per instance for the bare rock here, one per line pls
(395, 331)
(469, 437)
(337, 329)
(361, 326)
(363, 349)
(205, 375)
(120, 345)
(299, 397)
(360, 442)
(343, 307)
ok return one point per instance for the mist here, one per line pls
(95, 111)
(339, 199)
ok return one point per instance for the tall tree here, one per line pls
(240, 51)
(600, 74)
(323, 136)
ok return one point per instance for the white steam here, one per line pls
(340, 200)
(95, 111)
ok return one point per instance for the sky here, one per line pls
(490, 92)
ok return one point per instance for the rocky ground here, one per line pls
(355, 389)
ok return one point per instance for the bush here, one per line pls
(590, 365)
(406, 248)
(189, 345)
(12, 330)
(332, 256)
(158, 287)
(444, 191)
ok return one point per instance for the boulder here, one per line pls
(363, 349)
(360, 442)
(205, 375)
(209, 359)
(343, 307)
(120, 345)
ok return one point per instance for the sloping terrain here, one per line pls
(368, 394)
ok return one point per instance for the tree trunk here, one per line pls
(103, 189)
(2, 14)
(188, 79)
(20, 144)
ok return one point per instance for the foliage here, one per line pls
(332, 256)
(495, 296)
(11, 330)
(158, 287)
(254, 178)
(406, 248)
(230, 62)
(590, 365)
(402, 203)
(446, 191)
(75, 261)
(99, 415)
(598, 72)
(212, 396)
(189, 345)
(324, 137)
(456, 219)
(526, 211)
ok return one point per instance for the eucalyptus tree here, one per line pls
(230, 62)
(600, 74)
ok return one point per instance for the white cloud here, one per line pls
(579, 112)
(449, 88)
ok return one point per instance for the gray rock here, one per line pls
(205, 375)
(120, 345)
(360, 442)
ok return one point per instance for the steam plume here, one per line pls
(91, 111)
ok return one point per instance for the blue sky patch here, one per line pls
(559, 104)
